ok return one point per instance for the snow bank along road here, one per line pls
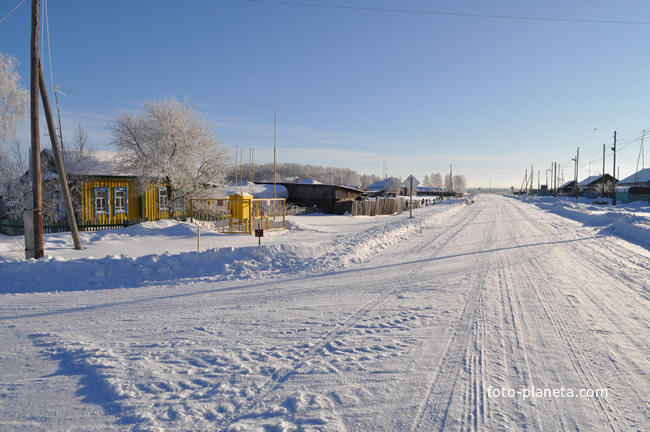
(499, 317)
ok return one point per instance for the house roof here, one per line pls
(567, 184)
(642, 176)
(382, 184)
(428, 189)
(589, 180)
(100, 163)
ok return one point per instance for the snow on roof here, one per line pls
(589, 180)
(567, 184)
(99, 163)
(428, 189)
(259, 190)
(642, 176)
(382, 184)
(309, 181)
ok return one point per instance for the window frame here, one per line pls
(107, 201)
(162, 208)
(125, 211)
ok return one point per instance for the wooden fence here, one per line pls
(382, 206)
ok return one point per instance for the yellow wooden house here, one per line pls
(113, 200)
(106, 195)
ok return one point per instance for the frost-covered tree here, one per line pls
(171, 144)
(448, 186)
(460, 184)
(14, 100)
(367, 180)
(394, 186)
(436, 180)
(13, 165)
(352, 178)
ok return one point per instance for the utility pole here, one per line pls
(524, 184)
(275, 124)
(575, 174)
(614, 172)
(554, 180)
(60, 168)
(451, 180)
(538, 174)
(547, 185)
(602, 180)
(34, 209)
(641, 151)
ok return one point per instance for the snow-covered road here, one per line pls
(500, 317)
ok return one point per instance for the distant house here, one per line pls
(628, 194)
(423, 190)
(317, 195)
(567, 188)
(391, 185)
(640, 178)
(591, 186)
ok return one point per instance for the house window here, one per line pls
(101, 201)
(162, 199)
(179, 206)
(120, 200)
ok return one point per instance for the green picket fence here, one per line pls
(15, 227)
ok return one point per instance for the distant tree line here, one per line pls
(295, 172)
(435, 180)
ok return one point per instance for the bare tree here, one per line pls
(14, 99)
(78, 155)
(171, 144)
(13, 184)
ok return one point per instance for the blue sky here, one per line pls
(357, 87)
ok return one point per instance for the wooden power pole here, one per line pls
(602, 179)
(614, 172)
(451, 180)
(33, 218)
(58, 159)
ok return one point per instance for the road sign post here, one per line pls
(259, 233)
(411, 182)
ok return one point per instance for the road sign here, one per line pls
(411, 183)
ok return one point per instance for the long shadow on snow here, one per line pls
(277, 281)
(91, 388)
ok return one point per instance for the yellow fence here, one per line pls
(239, 214)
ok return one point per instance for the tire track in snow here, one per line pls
(628, 262)
(281, 376)
(434, 407)
(576, 353)
(512, 312)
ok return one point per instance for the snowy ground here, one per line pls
(338, 323)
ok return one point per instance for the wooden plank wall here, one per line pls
(382, 206)
(88, 201)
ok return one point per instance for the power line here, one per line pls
(456, 14)
(12, 11)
